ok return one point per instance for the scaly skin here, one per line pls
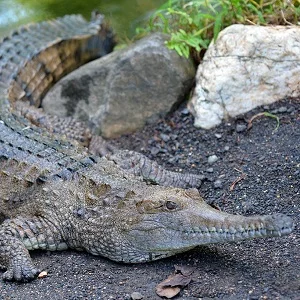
(55, 196)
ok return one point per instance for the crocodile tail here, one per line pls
(44, 52)
(33, 58)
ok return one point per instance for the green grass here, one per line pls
(193, 24)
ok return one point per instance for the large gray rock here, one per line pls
(248, 66)
(122, 91)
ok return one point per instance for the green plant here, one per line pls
(264, 114)
(193, 24)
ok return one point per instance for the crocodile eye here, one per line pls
(171, 205)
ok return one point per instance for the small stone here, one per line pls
(212, 159)
(218, 135)
(218, 184)
(226, 148)
(168, 128)
(240, 127)
(185, 111)
(254, 297)
(43, 274)
(136, 296)
(282, 109)
(164, 137)
(210, 170)
(172, 160)
(154, 150)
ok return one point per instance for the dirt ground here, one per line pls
(257, 172)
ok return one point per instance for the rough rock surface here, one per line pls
(125, 90)
(248, 66)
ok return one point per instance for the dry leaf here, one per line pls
(184, 270)
(178, 280)
(168, 292)
(171, 286)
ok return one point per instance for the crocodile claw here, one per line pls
(22, 272)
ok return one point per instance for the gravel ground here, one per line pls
(254, 171)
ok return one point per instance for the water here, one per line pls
(124, 15)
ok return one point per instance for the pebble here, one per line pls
(154, 150)
(212, 159)
(210, 170)
(185, 111)
(173, 160)
(218, 135)
(136, 296)
(226, 148)
(282, 109)
(218, 184)
(168, 129)
(43, 274)
(240, 127)
(164, 137)
(151, 141)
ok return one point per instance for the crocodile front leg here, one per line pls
(140, 165)
(19, 235)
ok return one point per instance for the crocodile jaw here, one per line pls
(163, 234)
(275, 225)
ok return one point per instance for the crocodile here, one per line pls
(58, 193)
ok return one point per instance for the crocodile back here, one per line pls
(32, 59)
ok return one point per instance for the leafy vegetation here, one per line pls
(193, 24)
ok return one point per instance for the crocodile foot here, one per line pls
(99, 146)
(19, 270)
(140, 165)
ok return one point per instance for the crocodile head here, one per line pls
(168, 223)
